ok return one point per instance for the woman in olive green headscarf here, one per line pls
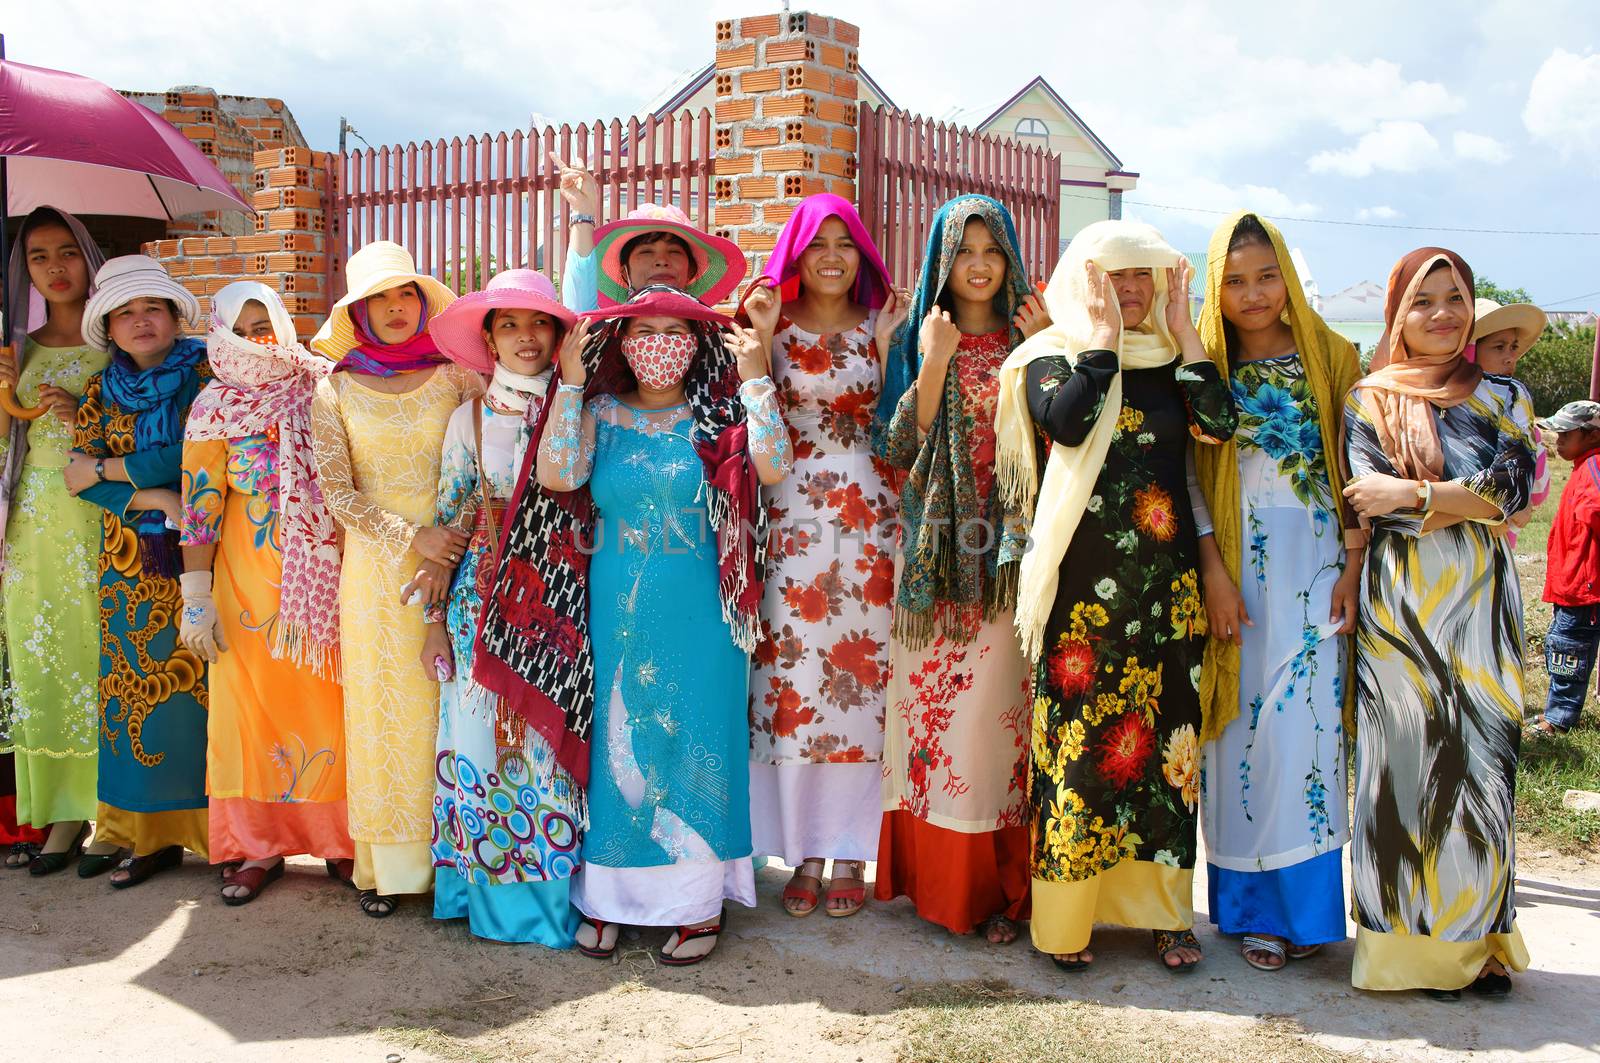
(1281, 571)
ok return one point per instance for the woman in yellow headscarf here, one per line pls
(1281, 573)
(1108, 602)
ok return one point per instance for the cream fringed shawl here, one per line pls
(1057, 504)
(1331, 368)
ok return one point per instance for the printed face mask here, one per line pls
(659, 360)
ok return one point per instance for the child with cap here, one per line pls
(1572, 580)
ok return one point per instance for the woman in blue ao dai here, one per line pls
(673, 608)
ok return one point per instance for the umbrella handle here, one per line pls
(8, 399)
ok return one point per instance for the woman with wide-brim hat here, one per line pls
(49, 709)
(508, 877)
(654, 244)
(261, 598)
(679, 427)
(128, 460)
(378, 423)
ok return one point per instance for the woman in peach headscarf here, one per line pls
(1439, 455)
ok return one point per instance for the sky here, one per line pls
(1443, 115)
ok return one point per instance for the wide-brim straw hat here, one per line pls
(458, 329)
(719, 264)
(1527, 319)
(660, 301)
(377, 267)
(124, 279)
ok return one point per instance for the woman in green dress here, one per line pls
(49, 705)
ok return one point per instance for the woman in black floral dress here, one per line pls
(1110, 603)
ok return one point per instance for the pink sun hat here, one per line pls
(719, 265)
(458, 328)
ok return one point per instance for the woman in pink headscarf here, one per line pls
(819, 672)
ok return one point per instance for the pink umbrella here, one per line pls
(71, 142)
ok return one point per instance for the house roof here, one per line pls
(675, 98)
(1362, 301)
(1055, 97)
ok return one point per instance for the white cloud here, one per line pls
(1398, 147)
(1379, 213)
(1563, 105)
(1480, 148)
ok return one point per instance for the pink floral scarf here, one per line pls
(266, 388)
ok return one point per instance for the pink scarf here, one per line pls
(258, 388)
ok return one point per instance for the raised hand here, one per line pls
(896, 308)
(1031, 316)
(753, 350)
(1179, 323)
(578, 187)
(939, 337)
(762, 305)
(1104, 308)
(570, 355)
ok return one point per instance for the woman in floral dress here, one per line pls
(1281, 572)
(50, 638)
(1109, 597)
(818, 679)
(954, 836)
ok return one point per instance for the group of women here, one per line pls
(568, 609)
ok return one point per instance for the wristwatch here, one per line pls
(1424, 495)
(100, 470)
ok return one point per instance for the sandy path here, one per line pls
(167, 972)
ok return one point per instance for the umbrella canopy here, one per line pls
(74, 143)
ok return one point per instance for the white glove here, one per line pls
(200, 628)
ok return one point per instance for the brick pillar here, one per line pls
(287, 252)
(786, 121)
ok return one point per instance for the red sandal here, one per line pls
(857, 895)
(597, 953)
(792, 892)
(254, 880)
(686, 934)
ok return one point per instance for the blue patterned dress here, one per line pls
(1273, 784)
(669, 795)
(505, 817)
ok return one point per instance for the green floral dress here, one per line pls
(1116, 712)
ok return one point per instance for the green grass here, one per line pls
(983, 1022)
(1549, 769)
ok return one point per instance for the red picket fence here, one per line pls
(467, 210)
(908, 166)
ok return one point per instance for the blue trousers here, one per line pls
(1569, 652)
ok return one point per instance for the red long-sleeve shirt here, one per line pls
(1573, 575)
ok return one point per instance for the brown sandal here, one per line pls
(254, 880)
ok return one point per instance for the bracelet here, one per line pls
(582, 219)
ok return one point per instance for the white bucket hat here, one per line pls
(1527, 319)
(377, 267)
(126, 278)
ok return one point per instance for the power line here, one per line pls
(1575, 298)
(1351, 224)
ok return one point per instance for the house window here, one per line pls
(1033, 127)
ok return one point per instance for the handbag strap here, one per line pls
(483, 484)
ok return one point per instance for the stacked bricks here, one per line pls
(786, 122)
(287, 251)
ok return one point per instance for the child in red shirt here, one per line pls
(1572, 580)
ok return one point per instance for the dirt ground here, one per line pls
(167, 972)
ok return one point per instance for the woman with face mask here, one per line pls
(667, 427)
(1440, 455)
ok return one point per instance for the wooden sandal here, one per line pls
(856, 895)
(1254, 943)
(1168, 941)
(598, 951)
(793, 892)
(254, 880)
(686, 934)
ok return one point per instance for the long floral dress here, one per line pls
(50, 705)
(275, 755)
(1273, 783)
(1116, 717)
(378, 462)
(153, 694)
(505, 817)
(669, 801)
(820, 669)
(955, 795)
(1439, 690)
